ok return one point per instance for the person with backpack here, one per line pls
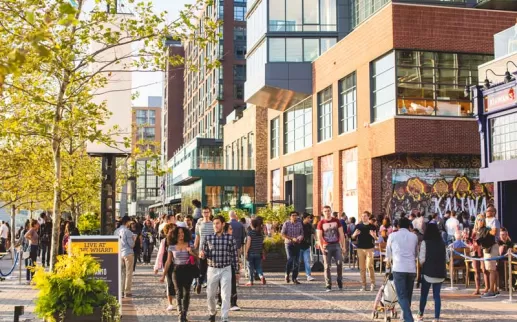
(487, 236)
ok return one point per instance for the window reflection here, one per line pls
(302, 15)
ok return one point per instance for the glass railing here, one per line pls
(505, 42)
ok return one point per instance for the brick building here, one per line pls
(387, 126)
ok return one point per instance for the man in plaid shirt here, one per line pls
(220, 252)
(292, 232)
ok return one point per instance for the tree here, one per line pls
(51, 94)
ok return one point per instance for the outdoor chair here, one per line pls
(458, 265)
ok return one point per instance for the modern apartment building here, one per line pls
(172, 113)
(211, 94)
(379, 121)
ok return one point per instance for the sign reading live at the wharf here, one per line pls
(106, 250)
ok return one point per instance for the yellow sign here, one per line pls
(93, 247)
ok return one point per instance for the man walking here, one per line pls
(494, 226)
(4, 234)
(238, 231)
(45, 234)
(127, 242)
(305, 245)
(292, 233)
(402, 251)
(204, 228)
(331, 239)
(220, 252)
(366, 235)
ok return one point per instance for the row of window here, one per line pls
(302, 15)
(298, 49)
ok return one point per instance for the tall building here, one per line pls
(146, 135)
(212, 94)
(377, 121)
(172, 114)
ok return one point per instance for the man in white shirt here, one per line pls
(4, 234)
(402, 251)
(452, 226)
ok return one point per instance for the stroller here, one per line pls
(386, 300)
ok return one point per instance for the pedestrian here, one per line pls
(255, 251)
(148, 234)
(306, 244)
(127, 242)
(238, 231)
(331, 239)
(220, 252)
(385, 230)
(204, 228)
(487, 236)
(45, 233)
(178, 257)
(161, 259)
(401, 250)
(452, 225)
(197, 210)
(233, 298)
(4, 236)
(292, 233)
(432, 257)
(366, 235)
(476, 251)
(33, 238)
(137, 249)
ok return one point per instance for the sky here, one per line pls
(140, 79)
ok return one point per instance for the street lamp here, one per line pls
(507, 76)
(487, 82)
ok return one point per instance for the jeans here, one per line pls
(404, 285)
(293, 259)
(254, 266)
(214, 277)
(203, 268)
(170, 285)
(306, 256)
(333, 251)
(436, 295)
(148, 251)
(45, 254)
(31, 262)
(182, 281)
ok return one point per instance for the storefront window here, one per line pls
(305, 168)
(433, 84)
(504, 137)
(230, 196)
(189, 193)
(247, 196)
(213, 196)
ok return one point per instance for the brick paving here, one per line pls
(275, 301)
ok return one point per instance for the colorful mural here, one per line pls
(275, 185)
(439, 190)
(327, 180)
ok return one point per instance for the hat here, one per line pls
(181, 224)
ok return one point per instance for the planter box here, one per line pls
(70, 316)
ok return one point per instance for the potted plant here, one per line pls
(72, 292)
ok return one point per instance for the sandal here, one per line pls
(476, 293)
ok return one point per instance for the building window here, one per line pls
(239, 13)
(363, 9)
(433, 84)
(383, 87)
(298, 49)
(347, 104)
(302, 15)
(250, 152)
(238, 91)
(239, 72)
(275, 129)
(298, 126)
(305, 168)
(141, 117)
(503, 137)
(240, 50)
(275, 185)
(239, 33)
(325, 114)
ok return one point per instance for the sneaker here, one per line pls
(198, 289)
(310, 278)
(420, 318)
(218, 306)
(170, 308)
(372, 287)
(263, 280)
(328, 288)
(211, 318)
(488, 295)
(295, 281)
(204, 285)
(235, 308)
(362, 289)
(287, 280)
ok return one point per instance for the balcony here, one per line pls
(497, 4)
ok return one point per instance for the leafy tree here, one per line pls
(64, 57)
(89, 223)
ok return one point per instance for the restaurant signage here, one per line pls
(501, 99)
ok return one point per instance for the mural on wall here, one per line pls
(327, 180)
(349, 182)
(275, 185)
(439, 190)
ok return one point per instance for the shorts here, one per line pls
(494, 252)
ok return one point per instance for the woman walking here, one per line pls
(433, 260)
(179, 253)
(33, 238)
(161, 259)
(137, 249)
(255, 252)
(477, 252)
(148, 234)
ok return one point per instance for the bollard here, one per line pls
(510, 293)
(18, 310)
(451, 273)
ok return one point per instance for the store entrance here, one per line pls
(508, 211)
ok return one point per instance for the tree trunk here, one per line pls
(73, 210)
(13, 229)
(56, 214)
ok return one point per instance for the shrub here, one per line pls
(277, 215)
(240, 213)
(89, 223)
(275, 243)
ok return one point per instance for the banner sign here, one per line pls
(105, 249)
(501, 99)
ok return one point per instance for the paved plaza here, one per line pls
(275, 301)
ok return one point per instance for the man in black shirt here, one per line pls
(366, 235)
(305, 245)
